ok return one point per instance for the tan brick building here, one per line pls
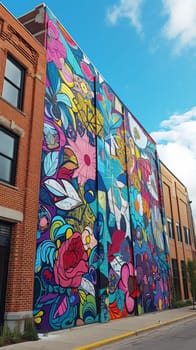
(180, 231)
(22, 79)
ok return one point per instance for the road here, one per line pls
(177, 336)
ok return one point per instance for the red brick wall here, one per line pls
(23, 197)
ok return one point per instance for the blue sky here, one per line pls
(146, 50)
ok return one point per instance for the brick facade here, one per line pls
(19, 203)
(178, 210)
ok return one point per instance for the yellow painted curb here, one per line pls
(129, 334)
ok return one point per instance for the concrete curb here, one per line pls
(129, 334)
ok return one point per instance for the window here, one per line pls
(176, 280)
(8, 155)
(170, 228)
(179, 233)
(187, 236)
(184, 279)
(13, 85)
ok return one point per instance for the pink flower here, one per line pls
(88, 238)
(55, 50)
(71, 263)
(86, 156)
(128, 285)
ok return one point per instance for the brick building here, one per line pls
(22, 79)
(180, 232)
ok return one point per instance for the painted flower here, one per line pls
(66, 75)
(71, 263)
(69, 164)
(128, 285)
(145, 168)
(130, 155)
(136, 207)
(38, 317)
(138, 134)
(81, 86)
(44, 218)
(152, 186)
(55, 50)
(86, 156)
(88, 238)
(86, 115)
(58, 99)
(54, 138)
(90, 191)
(86, 70)
(157, 226)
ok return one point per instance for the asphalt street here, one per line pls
(177, 336)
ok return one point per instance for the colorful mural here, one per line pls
(101, 248)
(150, 245)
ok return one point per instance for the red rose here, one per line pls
(71, 263)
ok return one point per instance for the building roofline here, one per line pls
(42, 4)
(22, 25)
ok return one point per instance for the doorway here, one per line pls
(5, 232)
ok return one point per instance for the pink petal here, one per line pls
(86, 70)
(109, 96)
(99, 97)
(131, 270)
(61, 309)
(125, 274)
(122, 286)
(129, 303)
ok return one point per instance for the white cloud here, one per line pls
(181, 23)
(176, 145)
(130, 9)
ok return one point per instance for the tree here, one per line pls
(191, 268)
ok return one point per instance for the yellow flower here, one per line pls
(91, 119)
(38, 317)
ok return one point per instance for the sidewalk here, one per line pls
(98, 334)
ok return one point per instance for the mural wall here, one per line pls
(101, 250)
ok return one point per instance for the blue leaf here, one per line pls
(115, 121)
(49, 129)
(64, 99)
(45, 254)
(53, 77)
(51, 163)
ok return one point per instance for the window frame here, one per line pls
(170, 228)
(187, 235)
(184, 279)
(179, 232)
(176, 279)
(20, 89)
(13, 159)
